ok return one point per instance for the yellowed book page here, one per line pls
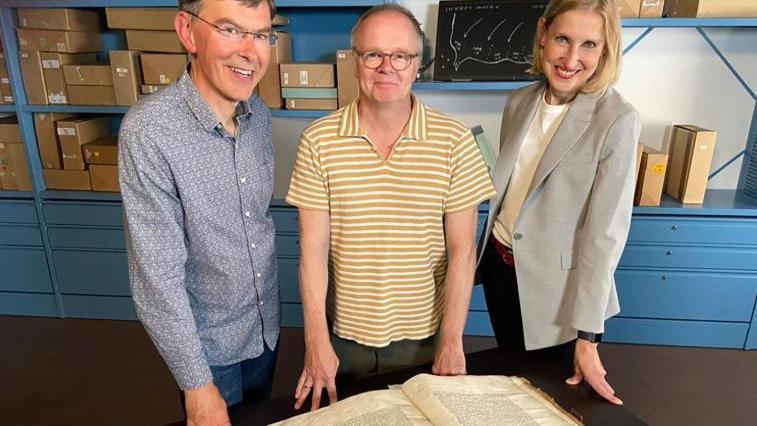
(377, 408)
(483, 400)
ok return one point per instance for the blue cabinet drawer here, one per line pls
(686, 295)
(87, 237)
(16, 211)
(87, 214)
(92, 272)
(288, 245)
(289, 280)
(21, 235)
(477, 300)
(658, 256)
(99, 307)
(285, 220)
(478, 324)
(678, 333)
(683, 230)
(38, 305)
(24, 269)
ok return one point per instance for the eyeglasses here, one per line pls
(400, 61)
(236, 34)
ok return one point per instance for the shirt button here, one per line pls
(247, 214)
(244, 179)
(258, 275)
(518, 236)
(261, 303)
(252, 245)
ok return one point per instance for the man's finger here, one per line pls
(575, 379)
(331, 388)
(605, 390)
(316, 401)
(301, 398)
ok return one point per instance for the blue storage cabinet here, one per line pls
(89, 259)
(25, 285)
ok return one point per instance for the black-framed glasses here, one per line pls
(373, 59)
(236, 34)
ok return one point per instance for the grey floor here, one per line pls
(86, 372)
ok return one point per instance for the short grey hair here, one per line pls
(194, 6)
(388, 7)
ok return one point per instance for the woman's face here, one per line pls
(573, 45)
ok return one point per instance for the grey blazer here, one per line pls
(574, 222)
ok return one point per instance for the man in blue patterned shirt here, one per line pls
(196, 173)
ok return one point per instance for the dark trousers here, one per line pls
(502, 300)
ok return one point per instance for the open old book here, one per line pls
(437, 400)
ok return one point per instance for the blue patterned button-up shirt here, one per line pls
(199, 234)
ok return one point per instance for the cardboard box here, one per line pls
(59, 41)
(639, 150)
(5, 90)
(88, 75)
(311, 104)
(149, 89)
(651, 8)
(127, 76)
(91, 95)
(9, 130)
(141, 18)
(711, 8)
(52, 71)
(269, 87)
(2, 62)
(73, 133)
(651, 177)
(34, 81)
(298, 74)
(162, 68)
(346, 74)
(59, 19)
(154, 41)
(101, 151)
(104, 178)
(19, 168)
(47, 138)
(691, 150)
(628, 8)
(7, 180)
(309, 92)
(74, 180)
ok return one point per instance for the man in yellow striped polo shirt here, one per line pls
(387, 191)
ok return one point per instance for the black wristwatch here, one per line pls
(589, 336)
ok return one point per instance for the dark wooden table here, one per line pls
(580, 400)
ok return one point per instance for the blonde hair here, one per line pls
(608, 68)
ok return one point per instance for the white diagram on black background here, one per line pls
(490, 43)
(486, 40)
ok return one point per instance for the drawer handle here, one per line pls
(674, 227)
(668, 253)
(664, 278)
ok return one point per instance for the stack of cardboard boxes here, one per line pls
(148, 30)
(308, 85)
(14, 170)
(687, 8)
(77, 153)
(6, 96)
(49, 40)
(641, 8)
(682, 172)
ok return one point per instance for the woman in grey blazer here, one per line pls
(565, 182)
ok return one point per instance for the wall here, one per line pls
(672, 76)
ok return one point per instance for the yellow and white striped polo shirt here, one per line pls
(387, 258)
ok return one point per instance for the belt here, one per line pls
(506, 253)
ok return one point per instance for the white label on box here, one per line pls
(4, 80)
(651, 3)
(164, 79)
(286, 78)
(341, 55)
(57, 98)
(24, 22)
(22, 42)
(122, 72)
(24, 55)
(68, 157)
(303, 78)
(703, 147)
(50, 63)
(66, 131)
(61, 47)
(8, 99)
(292, 103)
